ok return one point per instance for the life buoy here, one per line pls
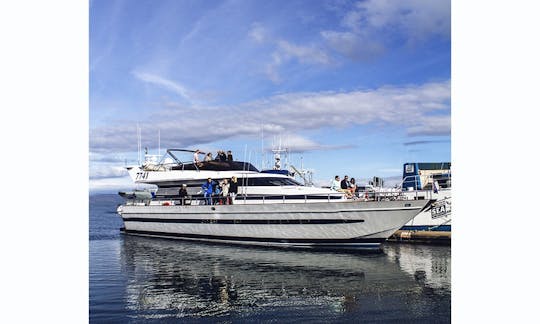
(166, 204)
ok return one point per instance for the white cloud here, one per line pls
(271, 69)
(297, 143)
(257, 33)
(374, 25)
(431, 125)
(354, 46)
(422, 142)
(304, 54)
(163, 83)
(420, 109)
(113, 184)
(107, 171)
(285, 51)
(109, 178)
(415, 19)
(390, 170)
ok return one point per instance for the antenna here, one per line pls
(286, 158)
(262, 147)
(244, 177)
(138, 144)
(277, 156)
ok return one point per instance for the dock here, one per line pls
(431, 237)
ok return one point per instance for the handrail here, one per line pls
(241, 197)
(416, 177)
(176, 159)
(264, 199)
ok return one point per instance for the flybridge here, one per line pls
(182, 159)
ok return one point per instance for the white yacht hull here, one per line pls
(333, 225)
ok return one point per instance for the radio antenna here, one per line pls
(138, 144)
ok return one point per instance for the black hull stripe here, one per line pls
(244, 221)
(286, 197)
(257, 239)
(282, 197)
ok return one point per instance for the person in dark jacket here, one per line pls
(346, 186)
(233, 189)
(229, 156)
(182, 193)
(345, 183)
(222, 157)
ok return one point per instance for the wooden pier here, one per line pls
(431, 237)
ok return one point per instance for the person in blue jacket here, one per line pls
(208, 190)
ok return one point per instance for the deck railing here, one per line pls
(416, 179)
(199, 200)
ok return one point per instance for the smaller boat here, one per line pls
(420, 181)
(428, 181)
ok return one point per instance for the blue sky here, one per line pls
(349, 87)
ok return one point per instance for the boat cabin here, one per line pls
(422, 175)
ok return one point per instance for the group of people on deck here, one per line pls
(221, 193)
(346, 186)
(221, 156)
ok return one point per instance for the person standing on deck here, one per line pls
(182, 193)
(233, 189)
(229, 156)
(217, 193)
(208, 189)
(196, 156)
(225, 185)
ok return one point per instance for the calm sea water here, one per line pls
(136, 280)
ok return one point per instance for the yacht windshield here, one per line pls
(271, 182)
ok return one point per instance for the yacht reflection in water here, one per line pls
(183, 279)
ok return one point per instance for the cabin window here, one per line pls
(409, 168)
(266, 182)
